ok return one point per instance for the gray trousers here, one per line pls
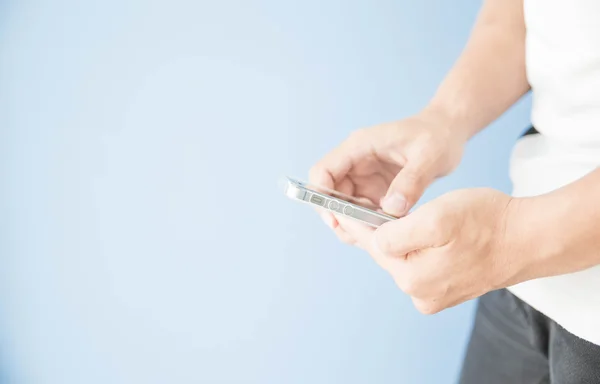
(513, 343)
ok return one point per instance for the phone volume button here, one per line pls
(333, 205)
(348, 210)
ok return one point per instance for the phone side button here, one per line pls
(348, 210)
(333, 205)
(318, 200)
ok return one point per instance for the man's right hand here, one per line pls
(391, 164)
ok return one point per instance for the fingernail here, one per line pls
(395, 204)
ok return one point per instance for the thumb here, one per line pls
(406, 189)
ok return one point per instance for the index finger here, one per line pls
(333, 167)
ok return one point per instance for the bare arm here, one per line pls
(394, 163)
(490, 74)
(560, 229)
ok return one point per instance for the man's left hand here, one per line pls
(449, 250)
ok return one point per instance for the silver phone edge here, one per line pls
(303, 194)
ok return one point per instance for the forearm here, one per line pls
(559, 231)
(490, 74)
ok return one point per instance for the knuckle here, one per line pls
(427, 310)
(429, 230)
(384, 243)
(434, 221)
(409, 285)
(427, 307)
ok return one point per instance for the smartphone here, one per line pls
(336, 202)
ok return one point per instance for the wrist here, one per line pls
(539, 238)
(520, 245)
(438, 139)
(456, 123)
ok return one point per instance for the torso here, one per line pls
(563, 68)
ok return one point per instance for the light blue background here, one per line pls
(142, 236)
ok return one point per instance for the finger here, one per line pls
(433, 306)
(361, 233)
(414, 232)
(331, 221)
(346, 186)
(328, 219)
(373, 187)
(407, 188)
(344, 236)
(332, 168)
(428, 306)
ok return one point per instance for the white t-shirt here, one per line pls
(563, 68)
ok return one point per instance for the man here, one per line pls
(543, 243)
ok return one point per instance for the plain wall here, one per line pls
(143, 238)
